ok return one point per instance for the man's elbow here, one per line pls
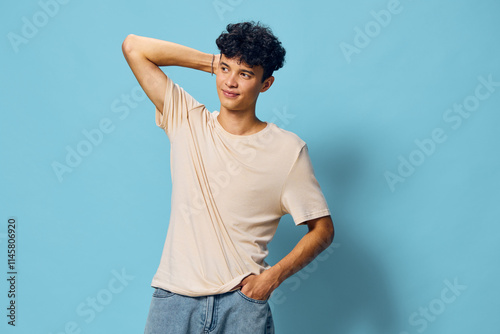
(323, 227)
(329, 229)
(128, 44)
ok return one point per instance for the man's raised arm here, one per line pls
(144, 56)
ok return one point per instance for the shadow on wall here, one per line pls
(345, 290)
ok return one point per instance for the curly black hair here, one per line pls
(254, 44)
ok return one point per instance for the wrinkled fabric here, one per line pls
(228, 195)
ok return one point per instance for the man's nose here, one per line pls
(231, 81)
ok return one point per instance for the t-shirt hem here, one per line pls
(230, 286)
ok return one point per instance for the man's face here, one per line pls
(239, 85)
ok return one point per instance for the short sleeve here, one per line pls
(301, 196)
(176, 105)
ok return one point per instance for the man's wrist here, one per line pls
(275, 275)
(205, 63)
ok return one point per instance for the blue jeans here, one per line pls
(228, 313)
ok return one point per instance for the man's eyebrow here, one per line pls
(248, 71)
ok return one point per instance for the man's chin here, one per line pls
(230, 106)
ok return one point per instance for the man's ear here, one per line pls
(267, 84)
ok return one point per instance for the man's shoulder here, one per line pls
(288, 137)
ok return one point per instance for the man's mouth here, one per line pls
(229, 93)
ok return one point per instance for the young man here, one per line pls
(233, 178)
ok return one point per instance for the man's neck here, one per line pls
(240, 122)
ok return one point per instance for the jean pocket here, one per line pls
(257, 301)
(161, 293)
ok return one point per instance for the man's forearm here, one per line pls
(164, 53)
(310, 246)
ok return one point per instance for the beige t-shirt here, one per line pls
(228, 195)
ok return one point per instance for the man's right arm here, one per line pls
(145, 56)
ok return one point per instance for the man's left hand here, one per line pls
(258, 287)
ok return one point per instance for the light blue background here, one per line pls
(395, 249)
